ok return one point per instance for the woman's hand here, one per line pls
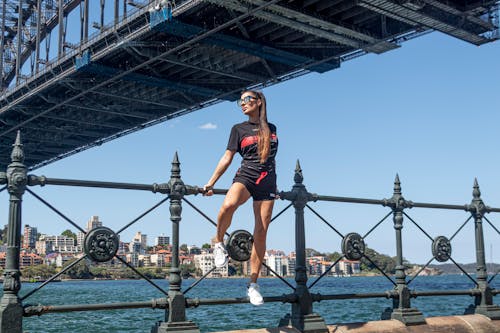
(208, 190)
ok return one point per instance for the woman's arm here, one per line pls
(221, 167)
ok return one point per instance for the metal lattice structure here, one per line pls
(150, 61)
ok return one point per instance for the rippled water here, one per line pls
(227, 317)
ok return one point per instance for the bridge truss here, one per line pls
(150, 61)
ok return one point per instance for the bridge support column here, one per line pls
(483, 304)
(302, 316)
(11, 310)
(401, 309)
(175, 316)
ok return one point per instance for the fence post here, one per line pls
(302, 316)
(11, 310)
(176, 313)
(401, 309)
(483, 304)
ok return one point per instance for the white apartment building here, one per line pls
(61, 244)
(158, 260)
(205, 262)
(142, 240)
(133, 259)
(145, 260)
(278, 262)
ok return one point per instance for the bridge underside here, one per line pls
(161, 64)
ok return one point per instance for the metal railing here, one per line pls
(101, 245)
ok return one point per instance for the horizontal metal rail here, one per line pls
(425, 293)
(387, 202)
(161, 303)
(34, 180)
(38, 310)
(163, 188)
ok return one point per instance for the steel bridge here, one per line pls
(68, 87)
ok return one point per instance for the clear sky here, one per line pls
(428, 111)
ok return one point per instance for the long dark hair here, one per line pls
(264, 142)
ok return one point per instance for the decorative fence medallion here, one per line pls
(101, 244)
(441, 249)
(353, 246)
(239, 245)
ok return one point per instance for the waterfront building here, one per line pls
(42, 247)
(123, 247)
(158, 259)
(62, 259)
(246, 269)
(314, 264)
(62, 244)
(142, 240)
(135, 247)
(162, 240)
(28, 259)
(144, 260)
(277, 261)
(30, 237)
(80, 237)
(93, 223)
(350, 267)
(292, 260)
(165, 255)
(133, 259)
(193, 249)
(205, 262)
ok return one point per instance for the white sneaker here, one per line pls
(254, 295)
(220, 255)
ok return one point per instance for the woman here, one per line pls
(257, 143)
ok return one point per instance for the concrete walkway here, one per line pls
(450, 324)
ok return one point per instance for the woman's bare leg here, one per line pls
(235, 197)
(262, 211)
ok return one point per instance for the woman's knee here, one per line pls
(228, 207)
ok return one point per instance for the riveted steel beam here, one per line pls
(211, 62)
(446, 8)
(148, 80)
(411, 15)
(312, 25)
(243, 46)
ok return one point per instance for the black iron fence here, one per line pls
(101, 245)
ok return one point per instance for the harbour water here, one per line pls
(228, 317)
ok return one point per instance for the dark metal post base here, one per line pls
(11, 315)
(490, 311)
(311, 323)
(182, 326)
(408, 316)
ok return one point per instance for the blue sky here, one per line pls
(428, 111)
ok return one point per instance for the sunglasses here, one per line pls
(245, 100)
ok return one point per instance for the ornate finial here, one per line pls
(298, 178)
(397, 185)
(17, 154)
(476, 193)
(176, 170)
